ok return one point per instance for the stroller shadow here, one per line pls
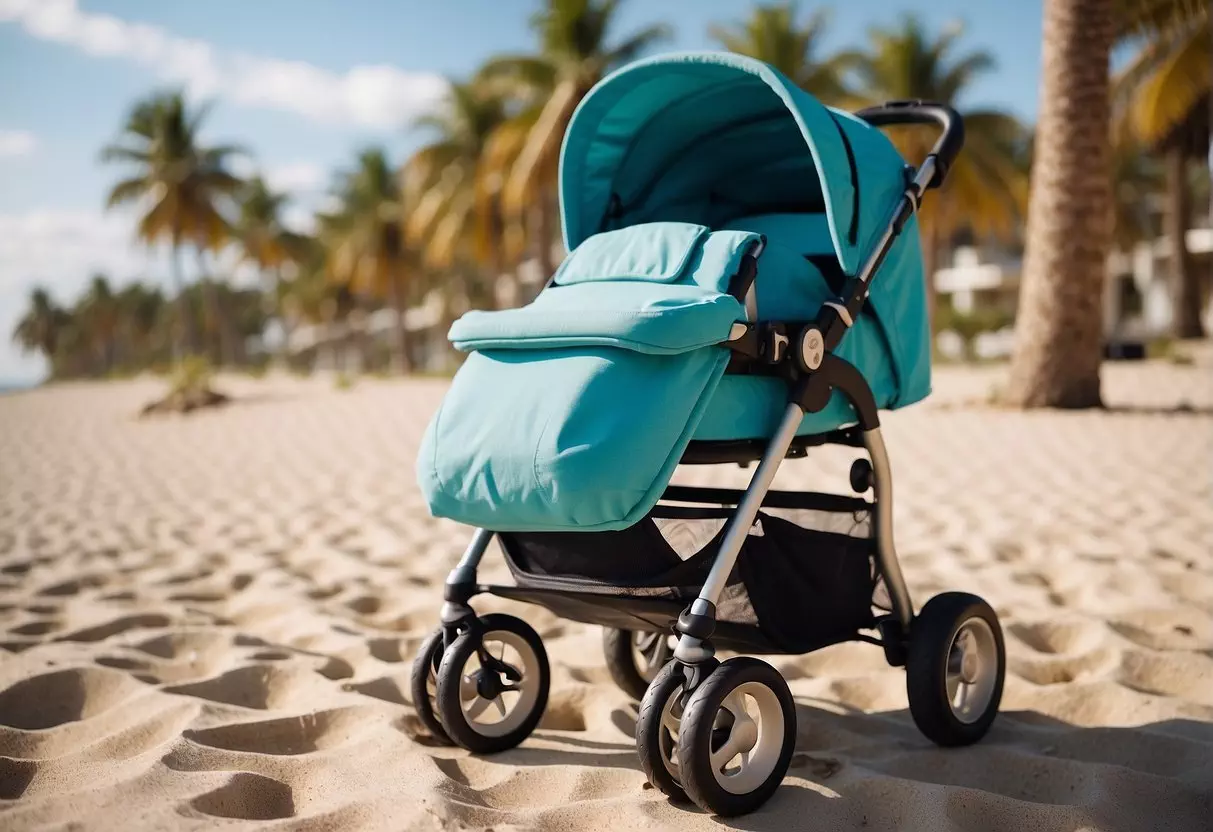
(858, 770)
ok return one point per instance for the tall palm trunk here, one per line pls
(1059, 331)
(284, 320)
(1185, 287)
(184, 338)
(224, 348)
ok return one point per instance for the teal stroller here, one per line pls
(744, 283)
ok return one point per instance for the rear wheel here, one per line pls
(493, 684)
(955, 669)
(635, 658)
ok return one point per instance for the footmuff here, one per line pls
(571, 413)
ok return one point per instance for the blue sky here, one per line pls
(303, 84)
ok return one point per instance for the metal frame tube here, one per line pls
(886, 554)
(464, 574)
(689, 648)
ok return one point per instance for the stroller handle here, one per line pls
(949, 143)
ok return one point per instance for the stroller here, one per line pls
(744, 283)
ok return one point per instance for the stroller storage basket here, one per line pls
(804, 579)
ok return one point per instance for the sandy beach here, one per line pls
(208, 621)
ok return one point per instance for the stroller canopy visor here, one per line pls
(710, 137)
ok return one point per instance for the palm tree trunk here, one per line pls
(1185, 287)
(284, 352)
(402, 359)
(1059, 327)
(184, 339)
(210, 291)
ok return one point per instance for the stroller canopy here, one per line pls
(709, 137)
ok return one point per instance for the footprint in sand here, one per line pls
(19, 568)
(565, 711)
(1060, 636)
(247, 796)
(289, 736)
(386, 649)
(36, 628)
(259, 686)
(365, 605)
(110, 629)
(53, 699)
(384, 688)
(15, 777)
(74, 586)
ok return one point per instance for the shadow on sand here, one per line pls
(857, 770)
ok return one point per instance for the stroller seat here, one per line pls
(799, 272)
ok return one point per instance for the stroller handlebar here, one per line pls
(948, 146)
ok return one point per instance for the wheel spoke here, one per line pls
(479, 706)
(500, 703)
(962, 694)
(726, 752)
(467, 688)
(671, 724)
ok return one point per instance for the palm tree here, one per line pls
(180, 184)
(140, 313)
(576, 49)
(771, 34)
(1136, 181)
(987, 186)
(42, 326)
(98, 313)
(1164, 96)
(1059, 327)
(364, 238)
(449, 184)
(265, 241)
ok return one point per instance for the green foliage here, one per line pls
(192, 375)
(343, 381)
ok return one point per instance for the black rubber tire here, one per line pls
(449, 674)
(698, 724)
(621, 662)
(931, 637)
(425, 670)
(668, 682)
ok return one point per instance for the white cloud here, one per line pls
(297, 176)
(58, 250)
(376, 96)
(17, 142)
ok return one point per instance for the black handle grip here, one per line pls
(946, 149)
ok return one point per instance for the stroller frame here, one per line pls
(803, 355)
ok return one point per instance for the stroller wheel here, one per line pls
(635, 658)
(955, 668)
(493, 684)
(658, 729)
(738, 735)
(423, 685)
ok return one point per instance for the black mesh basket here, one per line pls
(805, 577)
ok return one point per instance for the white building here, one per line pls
(1137, 292)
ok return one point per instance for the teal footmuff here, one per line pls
(572, 412)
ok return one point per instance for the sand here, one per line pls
(208, 620)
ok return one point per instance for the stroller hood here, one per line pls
(711, 137)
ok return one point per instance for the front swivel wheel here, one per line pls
(493, 684)
(736, 737)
